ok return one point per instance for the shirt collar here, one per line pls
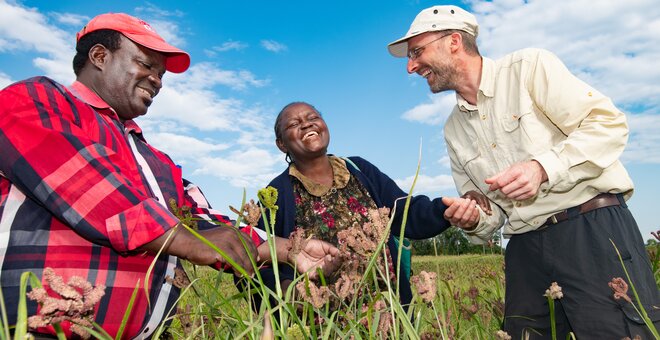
(85, 94)
(486, 85)
(339, 181)
(88, 96)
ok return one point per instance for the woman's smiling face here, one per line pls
(303, 132)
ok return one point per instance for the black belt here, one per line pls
(599, 201)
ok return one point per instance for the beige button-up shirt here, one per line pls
(529, 106)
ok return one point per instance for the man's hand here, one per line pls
(186, 246)
(481, 199)
(228, 239)
(520, 181)
(316, 254)
(461, 212)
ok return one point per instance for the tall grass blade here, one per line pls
(21, 319)
(4, 325)
(129, 309)
(153, 264)
(405, 215)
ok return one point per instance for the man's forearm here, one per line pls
(172, 242)
(282, 246)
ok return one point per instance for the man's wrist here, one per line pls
(471, 228)
(544, 175)
(178, 242)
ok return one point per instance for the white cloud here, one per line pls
(224, 47)
(4, 80)
(183, 148)
(207, 75)
(164, 22)
(230, 45)
(189, 100)
(273, 46)
(26, 29)
(433, 113)
(162, 126)
(169, 30)
(188, 106)
(427, 184)
(445, 161)
(250, 167)
(60, 70)
(152, 10)
(644, 142)
(72, 19)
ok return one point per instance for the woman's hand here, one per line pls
(316, 254)
(461, 212)
(313, 254)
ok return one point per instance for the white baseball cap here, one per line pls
(436, 18)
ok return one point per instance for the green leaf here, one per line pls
(21, 318)
(129, 308)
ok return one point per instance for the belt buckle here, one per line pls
(553, 219)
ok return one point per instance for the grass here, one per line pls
(467, 302)
(456, 309)
(468, 305)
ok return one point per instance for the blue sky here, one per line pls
(250, 58)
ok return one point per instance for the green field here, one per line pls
(468, 305)
(462, 299)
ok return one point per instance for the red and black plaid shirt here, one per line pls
(79, 192)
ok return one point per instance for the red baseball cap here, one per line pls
(140, 32)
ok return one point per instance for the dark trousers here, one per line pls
(578, 255)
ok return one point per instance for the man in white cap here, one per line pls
(544, 147)
(83, 194)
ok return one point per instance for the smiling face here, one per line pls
(130, 78)
(302, 132)
(434, 63)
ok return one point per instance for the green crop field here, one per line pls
(469, 303)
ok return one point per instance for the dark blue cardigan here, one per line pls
(425, 216)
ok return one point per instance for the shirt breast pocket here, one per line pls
(530, 133)
(468, 156)
(522, 133)
(512, 122)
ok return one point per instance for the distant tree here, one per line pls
(453, 241)
(424, 247)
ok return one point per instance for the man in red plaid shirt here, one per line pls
(83, 193)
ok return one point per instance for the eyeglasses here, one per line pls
(417, 51)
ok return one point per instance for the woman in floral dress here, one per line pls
(324, 195)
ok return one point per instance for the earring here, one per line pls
(287, 158)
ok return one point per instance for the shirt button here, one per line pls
(483, 117)
(518, 204)
(493, 145)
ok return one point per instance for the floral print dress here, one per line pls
(323, 211)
